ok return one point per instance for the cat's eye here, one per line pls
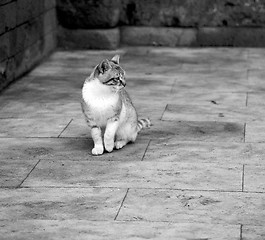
(112, 81)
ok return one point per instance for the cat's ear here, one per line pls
(116, 59)
(104, 66)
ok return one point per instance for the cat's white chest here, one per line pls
(100, 99)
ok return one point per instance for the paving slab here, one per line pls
(12, 173)
(222, 99)
(254, 178)
(205, 152)
(214, 112)
(204, 80)
(255, 132)
(60, 203)
(193, 207)
(253, 232)
(119, 174)
(256, 100)
(20, 109)
(65, 148)
(32, 127)
(256, 80)
(256, 58)
(99, 230)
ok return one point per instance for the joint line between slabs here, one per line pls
(163, 112)
(65, 128)
(244, 133)
(28, 174)
(121, 205)
(146, 149)
(243, 178)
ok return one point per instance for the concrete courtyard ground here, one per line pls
(197, 173)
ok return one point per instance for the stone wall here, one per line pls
(27, 35)
(161, 23)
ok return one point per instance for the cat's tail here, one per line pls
(143, 123)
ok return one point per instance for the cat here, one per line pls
(107, 107)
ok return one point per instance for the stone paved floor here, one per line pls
(198, 173)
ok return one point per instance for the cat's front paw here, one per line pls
(97, 150)
(109, 146)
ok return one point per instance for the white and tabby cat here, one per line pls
(107, 106)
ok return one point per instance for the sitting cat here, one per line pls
(107, 106)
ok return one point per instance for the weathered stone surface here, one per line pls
(60, 203)
(255, 132)
(120, 174)
(153, 36)
(253, 232)
(213, 112)
(193, 207)
(254, 179)
(256, 80)
(115, 230)
(65, 149)
(8, 17)
(178, 13)
(12, 173)
(205, 152)
(204, 80)
(89, 38)
(88, 14)
(32, 127)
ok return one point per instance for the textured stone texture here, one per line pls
(235, 37)
(192, 13)
(27, 35)
(53, 188)
(145, 174)
(88, 14)
(89, 38)
(60, 203)
(156, 36)
(113, 230)
(197, 207)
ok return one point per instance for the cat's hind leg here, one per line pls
(125, 134)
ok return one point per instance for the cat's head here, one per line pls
(110, 73)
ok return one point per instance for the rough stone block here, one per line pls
(50, 21)
(29, 33)
(86, 39)
(28, 9)
(4, 46)
(250, 37)
(50, 42)
(7, 72)
(8, 17)
(48, 4)
(155, 36)
(88, 14)
(215, 37)
(207, 13)
(235, 37)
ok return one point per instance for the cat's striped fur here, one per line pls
(108, 107)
